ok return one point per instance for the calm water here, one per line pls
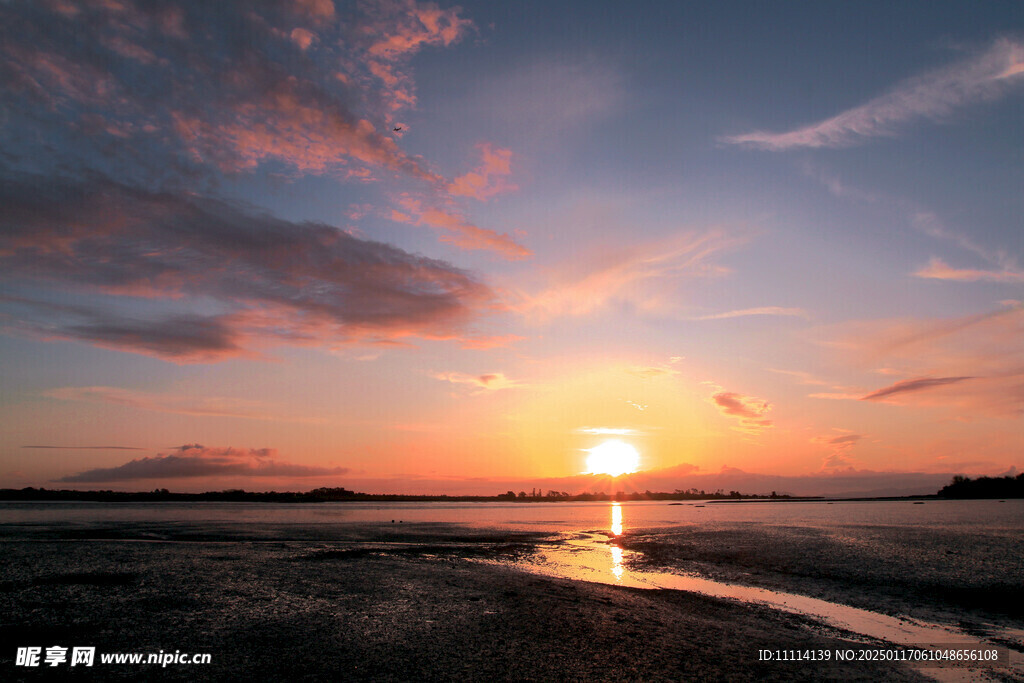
(968, 516)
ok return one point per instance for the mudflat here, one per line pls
(421, 606)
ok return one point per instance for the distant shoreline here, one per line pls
(961, 488)
(344, 495)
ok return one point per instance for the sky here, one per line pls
(401, 246)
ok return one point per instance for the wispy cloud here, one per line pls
(494, 381)
(763, 310)
(910, 385)
(608, 431)
(937, 269)
(197, 406)
(801, 376)
(652, 371)
(645, 276)
(456, 229)
(194, 460)
(839, 449)
(932, 95)
(90, 448)
(972, 365)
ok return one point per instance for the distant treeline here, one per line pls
(342, 494)
(960, 487)
(984, 487)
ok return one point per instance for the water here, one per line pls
(968, 516)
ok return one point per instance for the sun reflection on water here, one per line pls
(617, 562)
(617, 568)
(616, 519)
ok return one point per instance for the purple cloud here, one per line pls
(194, 460)
(911, 385)
(271, 279)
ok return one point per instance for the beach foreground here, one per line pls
(419, 609)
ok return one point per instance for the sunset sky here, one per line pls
(411, 247)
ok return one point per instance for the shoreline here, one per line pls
(305, 610)
(435, 597)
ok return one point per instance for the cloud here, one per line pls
(494, 381)
(801, 376)
(938, 270)
(651, 371)
(764, 310)
(283, 83)
(932, 95)
(930, 224)
(644, 276)
(489, 179)
(750, 411)
(177, 97)
(404, 26)
(972, 365)
(457, 230)
(260, 279)
(609, 431)
(194, 460)
(90, 448)
(910, 385)
(197, 406)
(839, 447)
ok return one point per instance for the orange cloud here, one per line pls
(489, 179)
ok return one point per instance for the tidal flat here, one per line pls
(420, 608)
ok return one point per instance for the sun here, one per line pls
(613, 457)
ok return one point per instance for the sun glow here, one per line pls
(613, 457)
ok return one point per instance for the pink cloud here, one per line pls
(404, 26)
(494, 381)
(839, 447)
(751, 411)
(318, 9)
(458, 231)
(489, 179)
(230, 109)
(302, 38)
(938, 270)
(644, 276)
(762, 310)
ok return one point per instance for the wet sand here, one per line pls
(419, 607)
(969, 580)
